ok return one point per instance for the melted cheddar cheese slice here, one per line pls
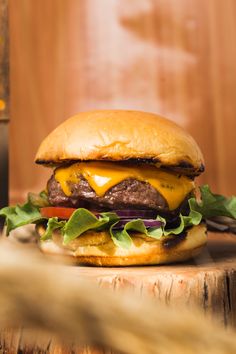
(102, 176)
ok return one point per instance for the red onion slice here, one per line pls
(147, 222)
(135, 214)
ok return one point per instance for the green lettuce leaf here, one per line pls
(38, 200)
(213, 204)
(83, 220)
(53, 224)
(177, 230)
(194, 218)
(122, 238)
(20, 215)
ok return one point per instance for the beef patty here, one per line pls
(128, 194)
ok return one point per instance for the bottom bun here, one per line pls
(97, 248)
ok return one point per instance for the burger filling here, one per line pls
(118, 198)
(118, 186)
(128, 194)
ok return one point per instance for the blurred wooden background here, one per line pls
(174, 57)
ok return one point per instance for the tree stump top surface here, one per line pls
(207, 281)
(219, 255)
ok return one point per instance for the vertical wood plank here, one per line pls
(4, 103)
(4, 61)
(174, 58)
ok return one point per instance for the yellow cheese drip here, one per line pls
(102, 176)
(67, 175)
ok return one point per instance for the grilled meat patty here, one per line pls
(128, 194)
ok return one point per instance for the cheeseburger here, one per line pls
(122, 191)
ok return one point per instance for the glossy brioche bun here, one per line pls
(97, 248)
(118, 135)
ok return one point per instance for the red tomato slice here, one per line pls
(60, 212)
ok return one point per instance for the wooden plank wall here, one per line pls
(4, 103)
(174, 57)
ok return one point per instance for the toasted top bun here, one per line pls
(97, 248)
(118, 135)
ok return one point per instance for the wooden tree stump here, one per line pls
(208, 282)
